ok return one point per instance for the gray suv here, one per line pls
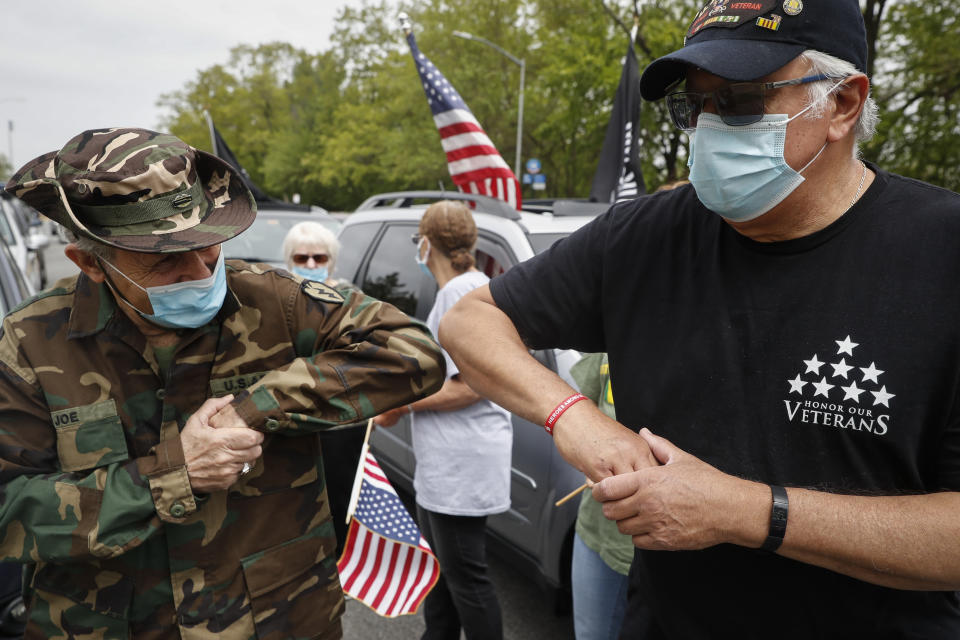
(378, 256)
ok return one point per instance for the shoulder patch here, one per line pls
(321, 292)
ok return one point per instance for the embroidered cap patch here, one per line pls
(729, 13)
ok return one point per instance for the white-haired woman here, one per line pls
(310, 250)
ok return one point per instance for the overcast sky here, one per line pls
(70, 66)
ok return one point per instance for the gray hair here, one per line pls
(310, 233)
(828, 65)
(91, 246)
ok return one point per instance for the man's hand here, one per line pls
(597, 445)
(227, 417)
(215, 456)
(684, 504)
(390, 418)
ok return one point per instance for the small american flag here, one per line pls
(386, 564)
(474, 163)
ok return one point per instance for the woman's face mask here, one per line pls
(319, 274)
(422, 262)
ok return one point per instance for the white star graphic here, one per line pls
(796, 385)
(813, 365)
(852, 392)
(846, 346)
(841, 368)
(871, 373)
(882, 397)
(823, 388)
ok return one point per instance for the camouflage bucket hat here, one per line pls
(137, 190)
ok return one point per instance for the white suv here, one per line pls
(377, 255)
(23, 232)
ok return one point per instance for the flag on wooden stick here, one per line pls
(386, 563)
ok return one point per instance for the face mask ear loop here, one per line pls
(797, 115)
(116, 292)
(814, 159)
(125, 276)
(810, 106)
(426, 257)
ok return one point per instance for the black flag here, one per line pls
(618, 176)
(222, 151)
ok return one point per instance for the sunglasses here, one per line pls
(737, 104)
(302, 258)
(415, 238)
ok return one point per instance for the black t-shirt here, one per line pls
(830, 361)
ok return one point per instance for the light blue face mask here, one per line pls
(740, 172)
(184, 305)
(422, 262)
(319, 274)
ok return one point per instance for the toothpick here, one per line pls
(572, 494)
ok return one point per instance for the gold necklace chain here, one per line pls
(863, 176)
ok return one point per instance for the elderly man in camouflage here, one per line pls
(159, 461)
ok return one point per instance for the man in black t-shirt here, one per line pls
(784, 339)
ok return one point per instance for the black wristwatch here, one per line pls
(778, 518)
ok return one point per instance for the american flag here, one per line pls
(474, 163)
(386, 564)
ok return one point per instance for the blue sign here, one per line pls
(533, 165)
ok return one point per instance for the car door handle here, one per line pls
(522, 476)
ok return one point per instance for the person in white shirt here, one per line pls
(462, 444)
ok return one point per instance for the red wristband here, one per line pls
(563, 406)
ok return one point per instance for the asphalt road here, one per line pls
(58, 266)
(527, 611)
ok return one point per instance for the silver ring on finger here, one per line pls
(247, 467)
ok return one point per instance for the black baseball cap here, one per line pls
(744, 41)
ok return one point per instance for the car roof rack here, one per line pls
(566, 206)
(285, 206)
(406, 199)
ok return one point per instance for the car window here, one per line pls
(354, 241)
(543, 241)
(263, 240)
(493, 258)
(13, 288)
(393, 274)
(6, 232)
(21, 215)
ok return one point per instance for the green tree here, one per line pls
(6, 168)
(917, 85)
(353, 120)
(250, 100)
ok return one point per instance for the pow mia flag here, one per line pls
(618, 175)
(222, 151)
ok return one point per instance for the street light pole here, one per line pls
(523, 67)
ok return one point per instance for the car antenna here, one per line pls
(442, 190)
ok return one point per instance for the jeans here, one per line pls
(464, 595)
(599, 595)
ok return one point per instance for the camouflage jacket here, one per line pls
(94, 492)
